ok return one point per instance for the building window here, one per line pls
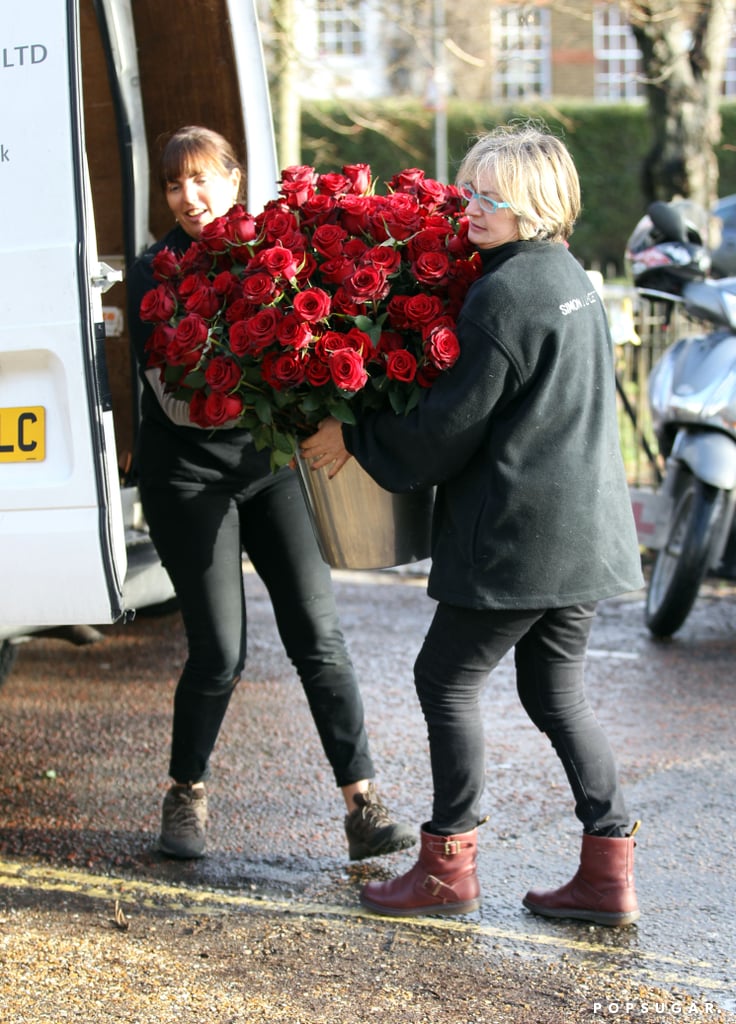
(339, 28)
(729, 70)
(521, 49)
(617, 58)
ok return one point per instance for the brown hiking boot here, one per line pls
(370, 830)
(183, 822)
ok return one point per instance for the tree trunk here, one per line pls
(684, 52)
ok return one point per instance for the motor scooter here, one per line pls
(692, 396)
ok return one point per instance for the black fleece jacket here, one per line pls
(521, 438)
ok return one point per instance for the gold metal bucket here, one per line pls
(359, 525)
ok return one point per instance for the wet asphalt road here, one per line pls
(84, 740)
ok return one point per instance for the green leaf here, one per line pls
(195, 379)
(412, 402)
(343, 411)
(312, 402)
(173, 374)
(263, 410)
(397, 402)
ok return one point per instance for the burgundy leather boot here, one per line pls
(602, 889)
(443, 881)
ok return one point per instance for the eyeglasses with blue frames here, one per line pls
(486, 204)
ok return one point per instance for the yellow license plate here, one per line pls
(23, 434)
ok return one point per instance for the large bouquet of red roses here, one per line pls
(332, 298)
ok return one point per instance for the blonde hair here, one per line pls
(192, 149)
(533, 172)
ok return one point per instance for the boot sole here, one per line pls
(609, 920)
(180, 852)
(360, 852)
(441, 909)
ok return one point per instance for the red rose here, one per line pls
(283, 370)
(239, 309)
(306, 268)
(442, 348)
(293, 332)
(401, 365)
(196, 408)
(432, 268)
(355, 249)
(316, 210)
(397, 312)
(327, 239)
(222, 373)
(165, 264)
(422, 309)
(312, 305)
(385, 257)
(442, 321)
(187, 345)
(359, 175)
(214, 410)
(367, 284)
(214, 236)
(407, 180)
(333, 184)
(204, 301)
(190, 282)
(252, 336)
(258, 287)
(427, 375)
(318, 372)
(226, 284)
(344, 304)
(158, 305)
(327, 343)
(399, 217)
(336, 271)
(429, 240)
(241, 227)
(355, 213)
(195, 260)
(347, 370)
(390, 341)
(298, 185)
(157, 343)
(358, 340)
(278, 261)
(275, 222)
(432, 194)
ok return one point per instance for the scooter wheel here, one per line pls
(681, 565)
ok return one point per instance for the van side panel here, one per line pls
(62, 546)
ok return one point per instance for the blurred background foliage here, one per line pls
(607, 142)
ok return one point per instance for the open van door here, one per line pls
(89, 88)
(62, 542)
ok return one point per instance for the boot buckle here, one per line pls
(451, 847)
(434, 886)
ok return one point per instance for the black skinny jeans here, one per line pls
(461, 648)
(200, 533)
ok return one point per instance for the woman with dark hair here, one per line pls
(532, 526)
(208, 496)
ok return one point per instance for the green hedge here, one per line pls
(608, 144)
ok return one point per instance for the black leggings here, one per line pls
(460, 650)
(200, 533)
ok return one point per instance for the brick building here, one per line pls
(480, 50)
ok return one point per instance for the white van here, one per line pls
(88, 86)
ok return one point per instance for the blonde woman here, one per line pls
(532, 526)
